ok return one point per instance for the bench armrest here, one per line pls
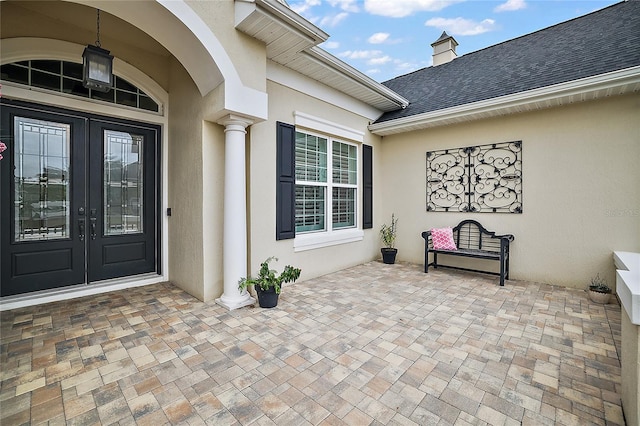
(507, 236)
(428, 243)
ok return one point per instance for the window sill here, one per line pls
(323, 239)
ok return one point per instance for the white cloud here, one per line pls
(378, 38)
(360, 54)
(373, 71)
(379, 61)
(402, 8)
(304, 6)
(461, 26)
(511, 5)
(330, 45)
(332, 21)
(346, 5)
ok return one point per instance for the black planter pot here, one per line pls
(389, 255)
(267, 298)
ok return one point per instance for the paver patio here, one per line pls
(373, 344)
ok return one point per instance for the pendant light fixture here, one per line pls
(98, 65)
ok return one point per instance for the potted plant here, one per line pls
(268, 284)
(388, 237)
(599, 291)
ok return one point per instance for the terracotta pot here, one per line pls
(598, 297)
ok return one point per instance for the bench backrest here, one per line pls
(470, 234)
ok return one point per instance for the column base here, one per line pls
(236, 303)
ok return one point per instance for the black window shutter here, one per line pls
(367, 186)
(286, 184)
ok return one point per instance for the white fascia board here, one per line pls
(357, 76)
(301, 83)
(626, 81)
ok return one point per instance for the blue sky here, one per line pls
(388, 38)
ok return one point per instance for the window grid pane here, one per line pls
(345, 165)
(311, 158)
(41, 180)
(344, 208)
(123, 182)
(310, 208)
(66, 77)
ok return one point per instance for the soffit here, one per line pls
(292, 41)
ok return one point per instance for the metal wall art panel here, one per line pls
(481, 179)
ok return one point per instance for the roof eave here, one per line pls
(590, 88)
(250, 13)
(390, 100)
(292, 41)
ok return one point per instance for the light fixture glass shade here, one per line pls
(98, 69)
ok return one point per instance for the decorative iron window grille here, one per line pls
(484, 178)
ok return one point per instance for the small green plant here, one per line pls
(599, 285)
(388, 232)
(268, 278)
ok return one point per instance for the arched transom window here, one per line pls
(66, 77)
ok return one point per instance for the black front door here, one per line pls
(78, 198)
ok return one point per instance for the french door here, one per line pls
(79, 198)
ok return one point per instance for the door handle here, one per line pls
(93, 219)
(81, 229)
(93, 228)
(81, 223)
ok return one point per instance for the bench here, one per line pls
(472, 240)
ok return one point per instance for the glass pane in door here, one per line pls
(42, 180)
(123, 183)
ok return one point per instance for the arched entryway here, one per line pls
(172, 26)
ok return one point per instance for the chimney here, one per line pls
(444, 49)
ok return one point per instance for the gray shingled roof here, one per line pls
(603, 41)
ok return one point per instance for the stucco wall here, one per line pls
(581, 197)
(196, 171)
(247, 54)
(185, 185)
(213, 168)
(261, 184)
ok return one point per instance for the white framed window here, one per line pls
(326, 183)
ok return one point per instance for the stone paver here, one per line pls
(373, 344)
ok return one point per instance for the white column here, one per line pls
(235, 214)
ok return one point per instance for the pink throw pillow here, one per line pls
(442, 239)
